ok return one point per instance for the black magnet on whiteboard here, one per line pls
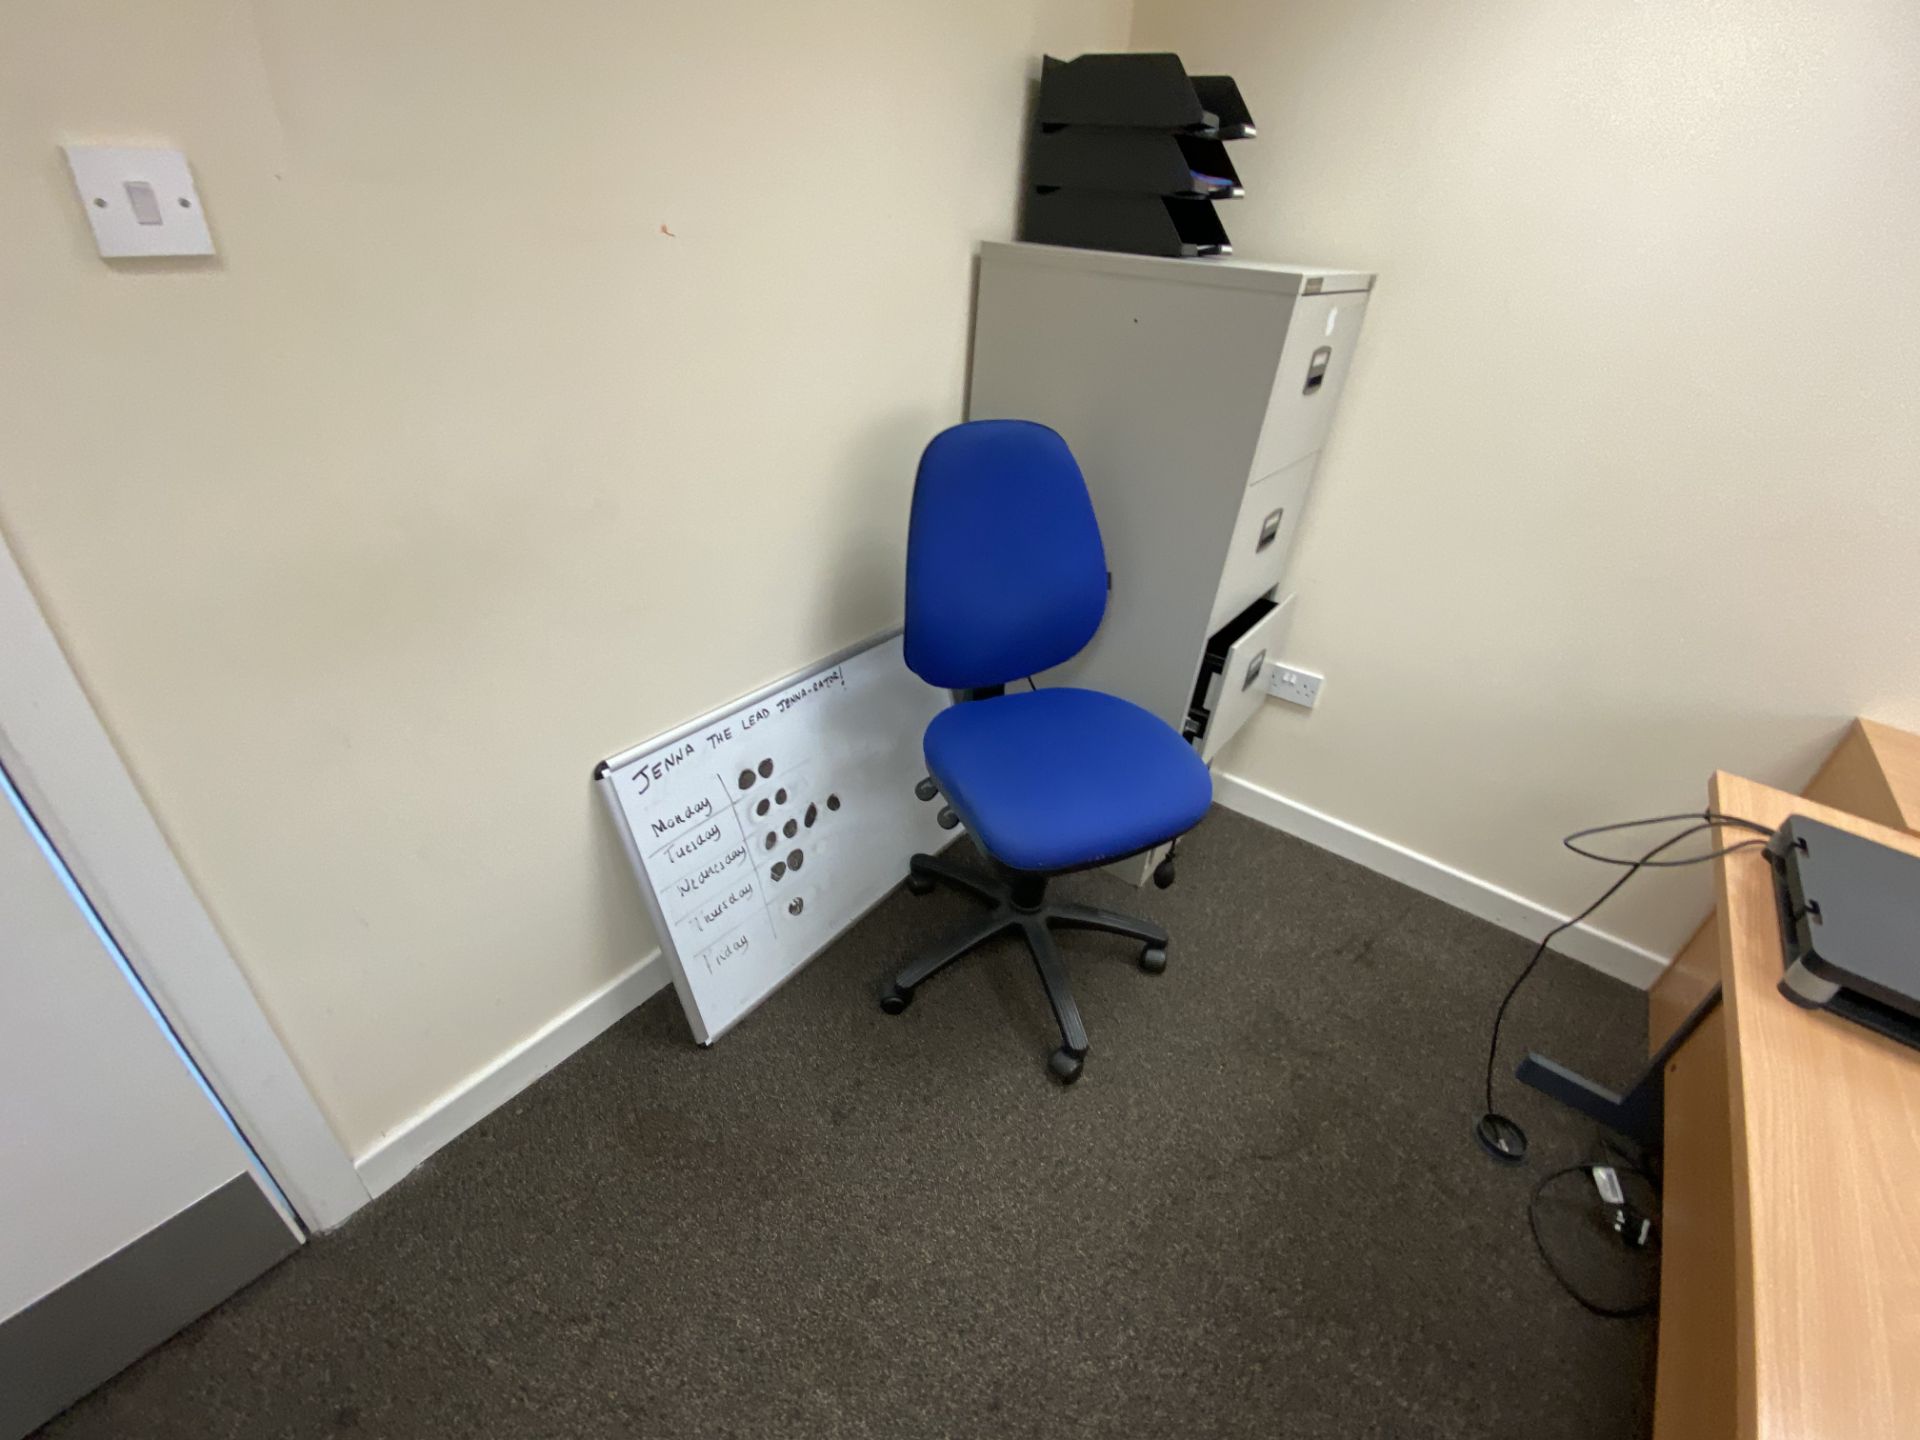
(763, 806)
(779, 869)
(772, 839)
(781, 795)
(746, 779)
(833, 802)
(796, 905)
(790, 829)
(795, 860)
(813, 814)
(766, 768)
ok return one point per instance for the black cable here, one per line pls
(1491, 1122)
(1633, 868)
(1695, 816)
(1031, 685)
(1708, 817)
(1506, 1140)
(1672, 864)
(1605, 1312)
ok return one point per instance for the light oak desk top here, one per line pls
(1826, 1176)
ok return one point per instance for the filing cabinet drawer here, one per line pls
(1234, 681)
(1313, 369)
(1262, 535)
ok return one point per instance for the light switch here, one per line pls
(139, 202)
(146, 205)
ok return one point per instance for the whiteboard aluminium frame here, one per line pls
(66, 768)
(603, 778)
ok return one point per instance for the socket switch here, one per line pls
(1294, 685)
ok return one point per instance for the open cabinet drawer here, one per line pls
(1232, 679)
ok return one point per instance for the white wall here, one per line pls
(1624, 482)
(455, 471)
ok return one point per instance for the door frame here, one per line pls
(66, 768)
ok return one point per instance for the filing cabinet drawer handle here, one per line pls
(1269, 530)
(1317, 369)
(1258, 664)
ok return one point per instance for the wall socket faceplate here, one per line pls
(1294, 685)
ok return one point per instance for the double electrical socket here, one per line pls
(1294, 685)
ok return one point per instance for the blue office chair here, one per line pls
(1006, 577)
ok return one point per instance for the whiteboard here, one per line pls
(763, 830)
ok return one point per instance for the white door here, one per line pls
(128, 1204)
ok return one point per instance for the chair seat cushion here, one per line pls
(1057, 779)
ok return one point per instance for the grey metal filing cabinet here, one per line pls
(1196, 395)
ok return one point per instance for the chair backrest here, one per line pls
(1006, 576)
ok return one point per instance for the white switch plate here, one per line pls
(122, 189)
(1292, 684)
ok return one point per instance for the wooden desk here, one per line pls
(1790, 1271)
(1874, 772)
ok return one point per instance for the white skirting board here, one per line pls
(1609, 954)
(488, 1088)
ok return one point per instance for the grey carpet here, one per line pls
(1260, 1213)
